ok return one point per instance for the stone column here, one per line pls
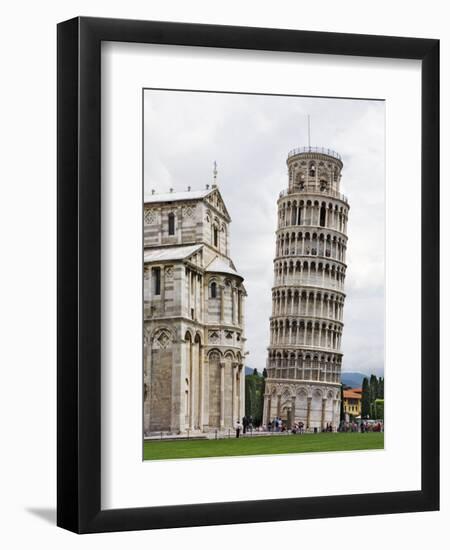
(293, 408)
(308, 412)
(333, 417)
(163, 289)
(205, 394)
(222, 394)
(241, 392)
(179, 224)
(322, 421)
(233, 393)
(189, 298)
(279, 405)
(266, 410)
(203, 289)
(240, 308)
(194, 279)
(191, 387)
(222, 291)
(201, 388)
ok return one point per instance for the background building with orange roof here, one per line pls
(352, 402)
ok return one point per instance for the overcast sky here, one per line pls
(250, 136)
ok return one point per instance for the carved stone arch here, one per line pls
(317, 393)
(229, 354)
(302, 393)
(213, 353)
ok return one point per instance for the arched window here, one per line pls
(215, 236)
(322, 216)
(312, 169)
(213, 290)
(171, 223)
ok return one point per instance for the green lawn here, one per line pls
(263, 445)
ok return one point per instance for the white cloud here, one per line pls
(250, 136)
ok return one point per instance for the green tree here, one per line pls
(380, 394)
(378, 409)
(257, 419)
(250, 394)
(365, 398)
(265, 372)
(255, 372)
(254, 397)
(373, 387)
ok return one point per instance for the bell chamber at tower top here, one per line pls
(313, 196)
(316, 170)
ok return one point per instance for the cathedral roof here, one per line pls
(212, 196)
(221, 266)
(177, 196)
(172, 253)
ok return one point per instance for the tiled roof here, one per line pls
(170, 253)
(350, 394)
(220, 266)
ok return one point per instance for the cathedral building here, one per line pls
(304, 360)
(193, 315)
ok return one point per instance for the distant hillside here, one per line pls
(248, 370)
(352, 379)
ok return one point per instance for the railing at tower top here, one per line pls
(321, 150)
(314, 191)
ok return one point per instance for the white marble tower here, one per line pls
(304, 362)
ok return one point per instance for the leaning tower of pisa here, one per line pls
(304, 361)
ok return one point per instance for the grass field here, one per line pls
(263, 445)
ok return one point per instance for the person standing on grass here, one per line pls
(238, 428)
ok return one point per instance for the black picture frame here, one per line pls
(79, 281)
